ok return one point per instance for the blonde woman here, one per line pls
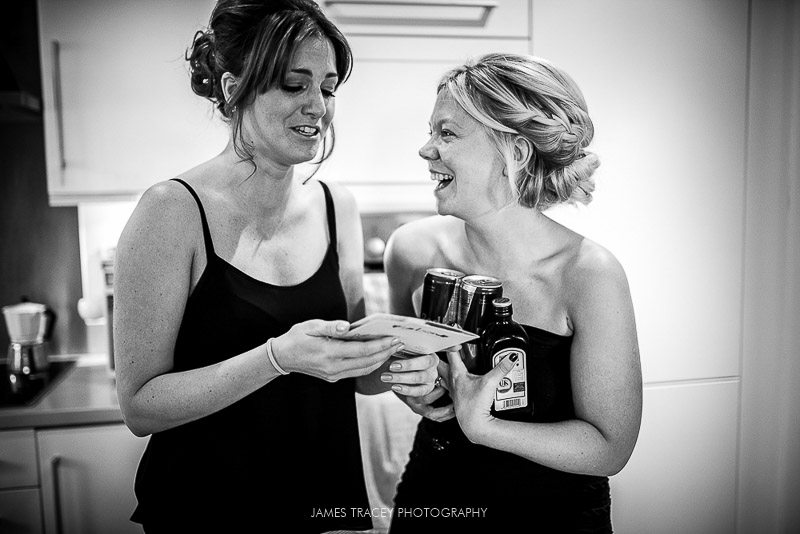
(508, 140)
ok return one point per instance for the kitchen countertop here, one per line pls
(85, 394)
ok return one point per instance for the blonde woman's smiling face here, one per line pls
(463, 162)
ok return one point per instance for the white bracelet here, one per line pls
(271, 357)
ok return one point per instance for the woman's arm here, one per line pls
(405, 260)
(414, 378)
(153, 277)
(606, 383)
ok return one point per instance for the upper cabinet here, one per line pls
(507, 19)
(666, 86)
(119, 112)
(401, 49)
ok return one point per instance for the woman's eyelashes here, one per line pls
(292, 88)
(444, 133)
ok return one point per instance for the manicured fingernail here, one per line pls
(342, 327)
(397, 388)
(386, 377)
(395, 341)
(513, 357)
(395, 366)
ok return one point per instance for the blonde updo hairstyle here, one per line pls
(524, 99)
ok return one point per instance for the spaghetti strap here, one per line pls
(331, 214)
(206, 231)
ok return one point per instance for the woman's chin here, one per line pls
(443, 206)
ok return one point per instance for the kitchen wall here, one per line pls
(39, 254)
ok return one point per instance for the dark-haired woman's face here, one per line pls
(287, 123)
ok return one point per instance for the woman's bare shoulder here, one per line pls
(344, 204)
(342, 195)
(166, 216)
(167, 200)
(421, 240)
(592, 267)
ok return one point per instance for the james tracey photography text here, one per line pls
(401, 512)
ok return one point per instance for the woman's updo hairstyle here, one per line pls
(524, 99)
(255, 40)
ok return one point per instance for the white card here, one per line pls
(417, 335)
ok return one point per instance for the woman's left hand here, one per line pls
(414, 376)
(473, 394)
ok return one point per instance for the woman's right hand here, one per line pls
(312, 348)
(424, 405)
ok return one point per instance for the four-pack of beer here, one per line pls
(475, 303)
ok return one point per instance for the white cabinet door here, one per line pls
(464, 18)
(87, 479)
(118, 109)
(382, 115)
(682, 475)
(20, 511)
(18, 459)
(666, 86)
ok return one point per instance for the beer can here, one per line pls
(438, 291)
(474, 303)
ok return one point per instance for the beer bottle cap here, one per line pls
(502, 302)
(502, 307)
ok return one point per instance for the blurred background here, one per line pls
(696, 106)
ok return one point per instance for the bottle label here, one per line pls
(513, 389)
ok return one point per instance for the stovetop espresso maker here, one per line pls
(30, 326)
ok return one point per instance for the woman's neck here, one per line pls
(513, 232)
(259, 183)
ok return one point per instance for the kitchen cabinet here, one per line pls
(20, 511)
(20, 508)
(18, 459)
(383, 110)
(119, 113)
(670, 187)
(87, 476)
(450, 18)
(67, 461)
(682, 474)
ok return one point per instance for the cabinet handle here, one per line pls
(406, 18)
(56, 51)
(55, 462)
(486, 4)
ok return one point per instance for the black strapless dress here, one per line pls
(451, 484)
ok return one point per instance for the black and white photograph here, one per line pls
(400, 266)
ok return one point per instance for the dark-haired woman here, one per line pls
(234, 281)
(509, 138)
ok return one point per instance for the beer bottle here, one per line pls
(501, 339)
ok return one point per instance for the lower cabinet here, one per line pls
(682, 475)
(20, 507)
(87, 476)
(20, 511)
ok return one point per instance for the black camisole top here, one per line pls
(285, 456)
